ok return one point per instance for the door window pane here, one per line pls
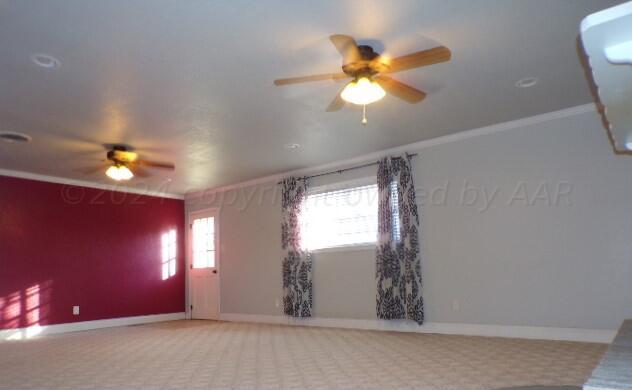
(204, 243)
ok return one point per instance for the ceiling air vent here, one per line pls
(11, 137)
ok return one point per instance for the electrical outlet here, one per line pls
(277, 302)
(456, 305)
(75, 310)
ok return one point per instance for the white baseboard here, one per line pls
(510, 331)
(524, 332)
(257, 318)
(37, 330)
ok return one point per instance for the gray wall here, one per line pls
(553, 247)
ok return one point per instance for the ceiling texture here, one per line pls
(191, 82)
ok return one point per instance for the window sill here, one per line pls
(345, 248)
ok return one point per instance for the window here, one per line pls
(168, 254)
(339, 218)
(204, 243)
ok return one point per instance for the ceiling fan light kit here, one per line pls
(368, 70)
(119, 172)
(363, 91)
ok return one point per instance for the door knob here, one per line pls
(214, 271)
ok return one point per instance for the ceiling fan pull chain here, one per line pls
(364, 121)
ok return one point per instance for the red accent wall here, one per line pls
(64, 245)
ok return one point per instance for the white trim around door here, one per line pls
(191, 216)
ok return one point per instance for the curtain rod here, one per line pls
(339, 171)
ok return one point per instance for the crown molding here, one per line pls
(88, 184)
(340, 164)
(413, 147)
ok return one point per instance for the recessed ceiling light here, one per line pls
(527, 82)
(291, 146)
(45, 61)
(12, 137)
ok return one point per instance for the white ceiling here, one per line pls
(191, 81)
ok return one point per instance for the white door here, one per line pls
(204, 265)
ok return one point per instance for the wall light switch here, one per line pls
(456, 305)
(75, 310)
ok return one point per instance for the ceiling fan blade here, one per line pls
(346, 46)
(400, 90)
(97, 168)
(138, 171)
(307, 79)
(155, 164)
(338, 102)
(76, 145)
(421, 58)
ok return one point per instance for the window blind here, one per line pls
(340, 218)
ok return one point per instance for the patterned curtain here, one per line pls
(297, 262)
(398, 263)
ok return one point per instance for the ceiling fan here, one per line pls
(369, 70)
(125, 164)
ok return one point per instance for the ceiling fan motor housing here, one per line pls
(110, 155)
(367, 52)
(367, 66)
(120, 155)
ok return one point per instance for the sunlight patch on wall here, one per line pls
(21, 312)
(11, 310)
(32, 305)
(169, 250)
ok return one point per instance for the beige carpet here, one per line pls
(222, 355)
